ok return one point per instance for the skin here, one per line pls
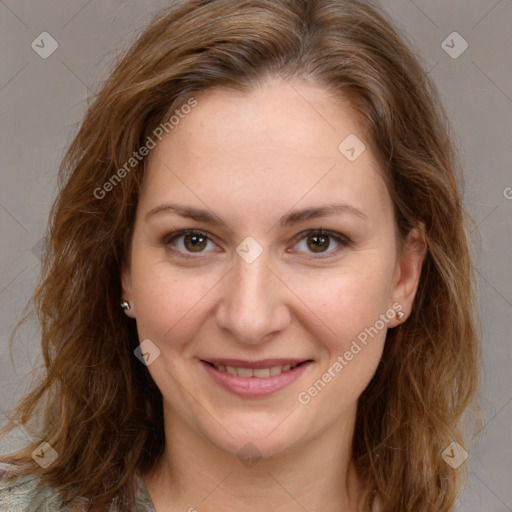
(251, 158)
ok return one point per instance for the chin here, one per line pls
(257, 437)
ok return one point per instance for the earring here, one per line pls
(400, 315)
(125, 306)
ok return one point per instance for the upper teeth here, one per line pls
(255, 372)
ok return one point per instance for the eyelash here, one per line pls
(342, 240)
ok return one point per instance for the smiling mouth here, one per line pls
(255, 379)
(262, 373)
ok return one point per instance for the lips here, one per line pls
(250, 379)
(261, 363)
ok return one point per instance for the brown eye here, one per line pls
(319, 243)
(187, 242)
(195, 242)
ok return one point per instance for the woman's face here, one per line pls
(260, 174)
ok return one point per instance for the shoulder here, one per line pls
(144, 503)
(23, 493)
(27, 493)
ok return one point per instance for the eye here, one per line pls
(187, 241)
(320, 242)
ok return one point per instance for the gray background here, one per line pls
(42, 100)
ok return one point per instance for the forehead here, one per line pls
(268, 148)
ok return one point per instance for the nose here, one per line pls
(253, 303)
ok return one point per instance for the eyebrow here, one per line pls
(289, 219)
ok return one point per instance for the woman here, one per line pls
(268, 190)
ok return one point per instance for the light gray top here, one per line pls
(28, 493)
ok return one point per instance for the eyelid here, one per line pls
(321, 231)
(182, 232)
(341, 239)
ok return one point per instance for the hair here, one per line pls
(96, 405)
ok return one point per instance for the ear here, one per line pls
(408, 271)
(126, 289)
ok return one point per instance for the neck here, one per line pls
(193, 473)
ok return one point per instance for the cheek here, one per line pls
(351, 341)
(171, 304)
(355, 319)
(355, 310)
(349, 300)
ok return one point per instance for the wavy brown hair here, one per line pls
(97, 405)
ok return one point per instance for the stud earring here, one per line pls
(400, 315)
(125, 306)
